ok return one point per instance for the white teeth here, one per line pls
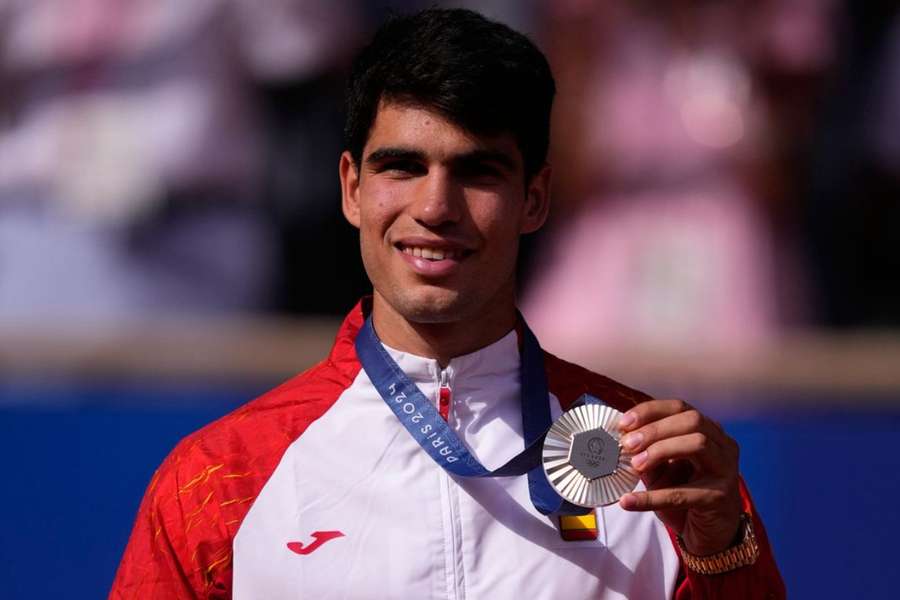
(429, 253)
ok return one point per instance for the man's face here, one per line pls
(440, 212)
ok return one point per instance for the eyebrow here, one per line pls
(486, 156)
(394, 153)
(472, 157)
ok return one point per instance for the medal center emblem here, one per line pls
(594, 453)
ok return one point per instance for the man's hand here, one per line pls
(690, 468)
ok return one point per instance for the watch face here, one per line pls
(583, 459)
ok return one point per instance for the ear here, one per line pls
(537, 201)
(349, 188)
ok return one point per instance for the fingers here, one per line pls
(659, 431)
(674, 498)
(671, 473)
(695, 447)
(652, 410)
(681, 423)
(689, 466)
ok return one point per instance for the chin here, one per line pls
(430, 306)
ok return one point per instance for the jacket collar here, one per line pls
(500, 358)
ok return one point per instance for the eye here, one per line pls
(482, 171)
(401, 168)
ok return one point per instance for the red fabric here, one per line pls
(181, 544)
(444, 404)
(578, 535)
(568, 382)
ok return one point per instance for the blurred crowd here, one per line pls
(723, 171)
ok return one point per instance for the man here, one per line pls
(318, 489)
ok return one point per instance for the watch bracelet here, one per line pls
(743, 554)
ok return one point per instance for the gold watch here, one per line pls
(744, 553)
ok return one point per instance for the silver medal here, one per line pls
(583, 459)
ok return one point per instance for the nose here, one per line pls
(438, 199)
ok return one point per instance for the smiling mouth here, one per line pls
(433, 254)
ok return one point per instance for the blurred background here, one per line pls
(725, 229)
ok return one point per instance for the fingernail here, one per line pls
(628, 501)
(627, 420)
(632, 440)
(639, 459)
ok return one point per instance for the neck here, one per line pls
(442, 340)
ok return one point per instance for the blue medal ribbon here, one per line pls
(420, 418)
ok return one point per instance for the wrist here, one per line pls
(705, 543)
(742, 553)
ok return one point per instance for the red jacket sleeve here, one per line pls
(175, 550)
(754, 582)
(181, 544)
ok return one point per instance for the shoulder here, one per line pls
(196, 501)
(277, 417)
(215, 473)
(247, 443)
(201, 493)
(568, 381)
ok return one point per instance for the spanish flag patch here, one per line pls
(578, 528)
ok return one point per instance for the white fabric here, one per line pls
(412, 531)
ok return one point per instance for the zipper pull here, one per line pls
(444, 395)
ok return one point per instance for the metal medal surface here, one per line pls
(583, 459)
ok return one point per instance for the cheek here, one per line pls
(377, 212)
(371, 242)
(496, 221)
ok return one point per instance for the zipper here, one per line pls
(444, 395)
(454, 573)
(458, 584)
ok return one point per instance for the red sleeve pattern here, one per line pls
(181, 544)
